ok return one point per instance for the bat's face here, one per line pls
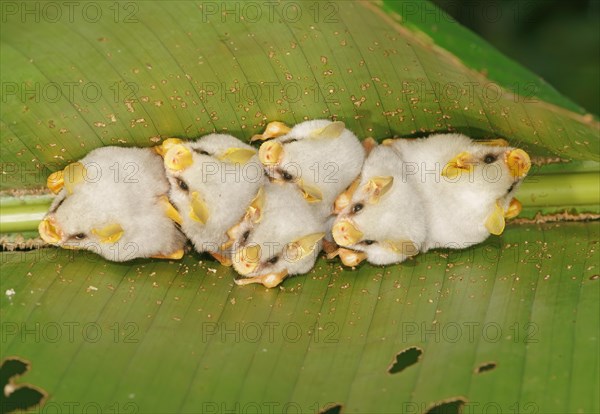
(320, 157)
(491, 171)
(119, 220)
(278, 236)
(212, 182)
(373, 225)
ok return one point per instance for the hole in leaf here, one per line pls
(405, 359)
(450, 406)
(332, 409)
(486, 366)
(594, 277)
(18, 397)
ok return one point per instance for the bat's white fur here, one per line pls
(330, 164)
(122, 185)
(456, 208)
(286, 217)
(398, 214)
(226, 188)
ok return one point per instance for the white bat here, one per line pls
(213, 180)
(114, 202)
(280, 235)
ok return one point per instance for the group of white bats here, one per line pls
(270, 212)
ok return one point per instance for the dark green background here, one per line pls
(557, 39)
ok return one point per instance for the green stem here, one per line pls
(548, 193)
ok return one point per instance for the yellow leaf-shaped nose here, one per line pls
(273, 130)
(246, 260)
(178, 158)
(518, 162)
(345, 234)
(514, 208)
(270, 153)
(458, 165)
(56, 181)
(166, 145)
(49, 231)
(198, 209)
(495, 222)
(110, 233)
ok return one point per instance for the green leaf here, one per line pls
(510, 323)
(176, 337)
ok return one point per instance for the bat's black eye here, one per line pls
(287, 176)
(200, 151)
(181, 184)
(80, 236)
(368, 242)
(490, 158)
(357, 207)
(273, 260)
(245, 235)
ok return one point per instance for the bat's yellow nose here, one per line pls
(518, 162)
(50, 231)
(246, 260)
(270, 152)
(345, 234)
(178, 158)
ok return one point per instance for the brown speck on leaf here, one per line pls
(102, 39)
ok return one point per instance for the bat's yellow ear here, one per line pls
(332, 130)
(198, 209)
(110, 233)
(270, 153)
(311, 193)
(255, 209)
(463, 162)
(273, 130)
(345, 234)
(237, 155)
(166, 145)
(170, 211)
(518, 163)
(68, 178)
(514, 208)
(377, 187)
(302, 247)
(495, 222)
(56, 181)
(343, 200)
(351, 258)
(73, 174)
(405, 247)
(178, 158)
